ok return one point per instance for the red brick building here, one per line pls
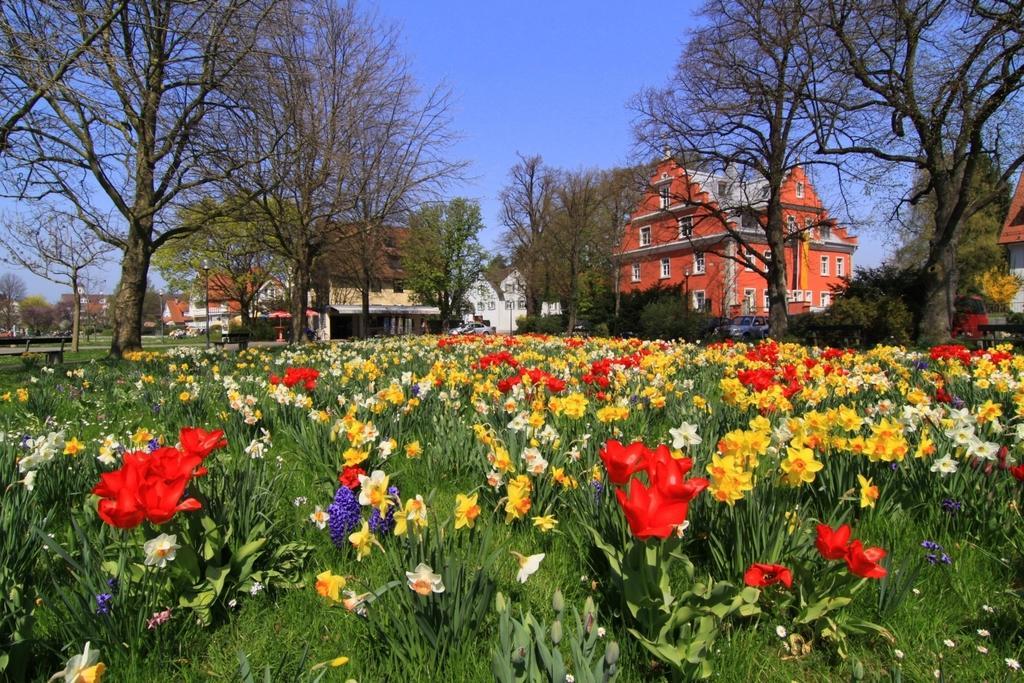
(678, 236)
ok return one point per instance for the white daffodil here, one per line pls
(373, 490)
(424, 581)
(84, 667)
(320, 517)
(684, 435)
(944, 465)
(528, 565)
(161, 550)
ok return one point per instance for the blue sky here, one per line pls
(550, 78)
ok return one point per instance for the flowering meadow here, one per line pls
(515, 509)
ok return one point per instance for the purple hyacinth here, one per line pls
(952, 506)
(103, 601)
(921, 365)
(382, 525)
(344, 515)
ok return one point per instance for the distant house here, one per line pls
(499, 300)
(1012, 237)
(176, 312)
(392, 308)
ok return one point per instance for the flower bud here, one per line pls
(611, 653)
(557, 601)
(556, 632)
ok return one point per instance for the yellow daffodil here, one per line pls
(466, 510)
(329, 585)
(868, 492)
(545, 522)
(73, 447)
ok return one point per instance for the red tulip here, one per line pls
(864, 561)
(761, 575)
(649, 513)
(1018, 472)
(150, 486)
(622, 462)
(668, 474)
(832, 544)
(196, 441)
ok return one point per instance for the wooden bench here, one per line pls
(240, 338)
(836, 335)
(18, 346)
(993, 334)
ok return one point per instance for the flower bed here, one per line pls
(518, 509)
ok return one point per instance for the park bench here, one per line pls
(992, 334)
(17, 346)
(240, 338)
(836, 335)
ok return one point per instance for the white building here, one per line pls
(501, 300)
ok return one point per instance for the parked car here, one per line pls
(710, 328)
(473, 328)
(745, 327)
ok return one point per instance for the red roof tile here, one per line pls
(1013, 227)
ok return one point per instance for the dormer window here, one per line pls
(723, 188)
(645, 236)
(663, 193)
(825, 232)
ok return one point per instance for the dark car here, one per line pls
(745, 327)
(710, 328)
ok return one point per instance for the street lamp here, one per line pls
(206, 273)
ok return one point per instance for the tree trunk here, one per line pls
(76, 311)
(364, 308)
(300, 288)
(933, 323)
(778, 305)
(131, 291)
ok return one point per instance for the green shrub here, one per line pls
(541, 324)
(668, 319)
(259, 329)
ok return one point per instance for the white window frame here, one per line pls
(685, 225)
(791, 223)
(749, 299)
(636, 271)
(664, 196)
(808, 296)
(666, 268)
(826, 299)
(645, 236)
(699, 262)
(699, 300)
(824, 264)
(768, 255)
(840, 266)
(824, 232)
(800, 190)
(750, 259)
(767, 301)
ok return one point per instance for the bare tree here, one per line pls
(737, 107)
(128, 123)
(576, 231)
(623, 189)
(526, 209)
(12, 290)
(931, 85)
(399, 162)
(58, 248)
(29, 28)
(347, 143)
(228, 240)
